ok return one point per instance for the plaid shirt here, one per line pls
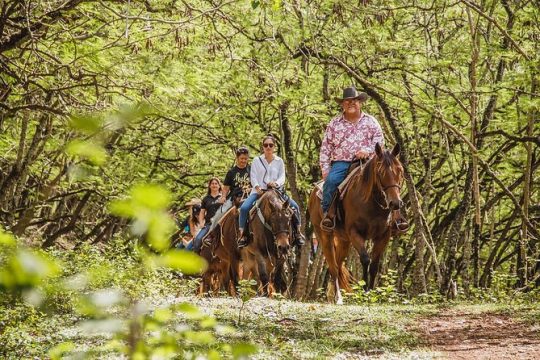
(343, 139)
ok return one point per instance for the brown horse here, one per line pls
(271, 229)
(372, 194)
(223, 254)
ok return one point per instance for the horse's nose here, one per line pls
(396, 204)
(284, 248)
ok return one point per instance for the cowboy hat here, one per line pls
(352, 93)
(193, 201)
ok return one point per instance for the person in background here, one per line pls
(209, 205)
(191, 224)
(236, 182)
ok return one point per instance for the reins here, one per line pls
(382, 190)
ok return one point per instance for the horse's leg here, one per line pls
(379, 244)
(263, 274)
(234, 274)
(327, 242)
(359, 244)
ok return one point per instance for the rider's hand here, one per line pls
(272, 185)
(259, 190)
(361, 155)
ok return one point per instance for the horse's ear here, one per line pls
(396, 150)
(378, 150)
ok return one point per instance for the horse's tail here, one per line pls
(344, 276)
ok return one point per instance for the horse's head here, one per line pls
(279, 218)
(388, 175)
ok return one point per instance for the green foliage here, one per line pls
(246, 291)
(103, 298)
(385, 293)
(21, 268)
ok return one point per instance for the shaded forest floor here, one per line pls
(284, 329)
(475, 333)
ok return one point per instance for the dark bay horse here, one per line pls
(222, 254)
(372, 194)
(271, 229)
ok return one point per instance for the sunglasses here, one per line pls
(268, 145)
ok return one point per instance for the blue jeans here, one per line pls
(196, 244)
(296, 210)
(337, 173)
(250, 201)
(244, 209)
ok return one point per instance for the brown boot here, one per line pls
(242, 241)
(327, 222)
(299, 238)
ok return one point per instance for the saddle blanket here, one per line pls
(342, 187)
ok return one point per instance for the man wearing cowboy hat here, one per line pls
(351, 135)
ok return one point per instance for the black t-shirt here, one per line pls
(211, 205)
(237, 179)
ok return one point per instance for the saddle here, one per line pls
(343, 187)
(336, 207)
(210, 238)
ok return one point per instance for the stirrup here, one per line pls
(328, 228)
(242, 242)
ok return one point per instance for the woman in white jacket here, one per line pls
(267, 172)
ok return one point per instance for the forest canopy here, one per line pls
(98, 96)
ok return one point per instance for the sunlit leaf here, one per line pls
(200, 337)
(61, 349)
(87, 124)
(163, 315)
(184, 261)
(122, 208)
(6, 239)
(243, 350)
(151, 196)
(88, 150)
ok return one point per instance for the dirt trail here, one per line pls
(461, 335)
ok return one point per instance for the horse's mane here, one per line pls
(271, 199)
(368, 179)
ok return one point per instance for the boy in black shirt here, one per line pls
(236, 182)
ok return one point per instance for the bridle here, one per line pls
(268, 227)
(383, 191)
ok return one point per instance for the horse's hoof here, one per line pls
(339, 302)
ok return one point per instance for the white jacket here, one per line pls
(263, 172)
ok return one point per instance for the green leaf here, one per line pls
(59, 350)
(184, 261)
(6, 239)
(151, 196)
(200, 337)
(88, 150)
(122, 208)
(163, 315)
(87, 124)
(243, 350)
